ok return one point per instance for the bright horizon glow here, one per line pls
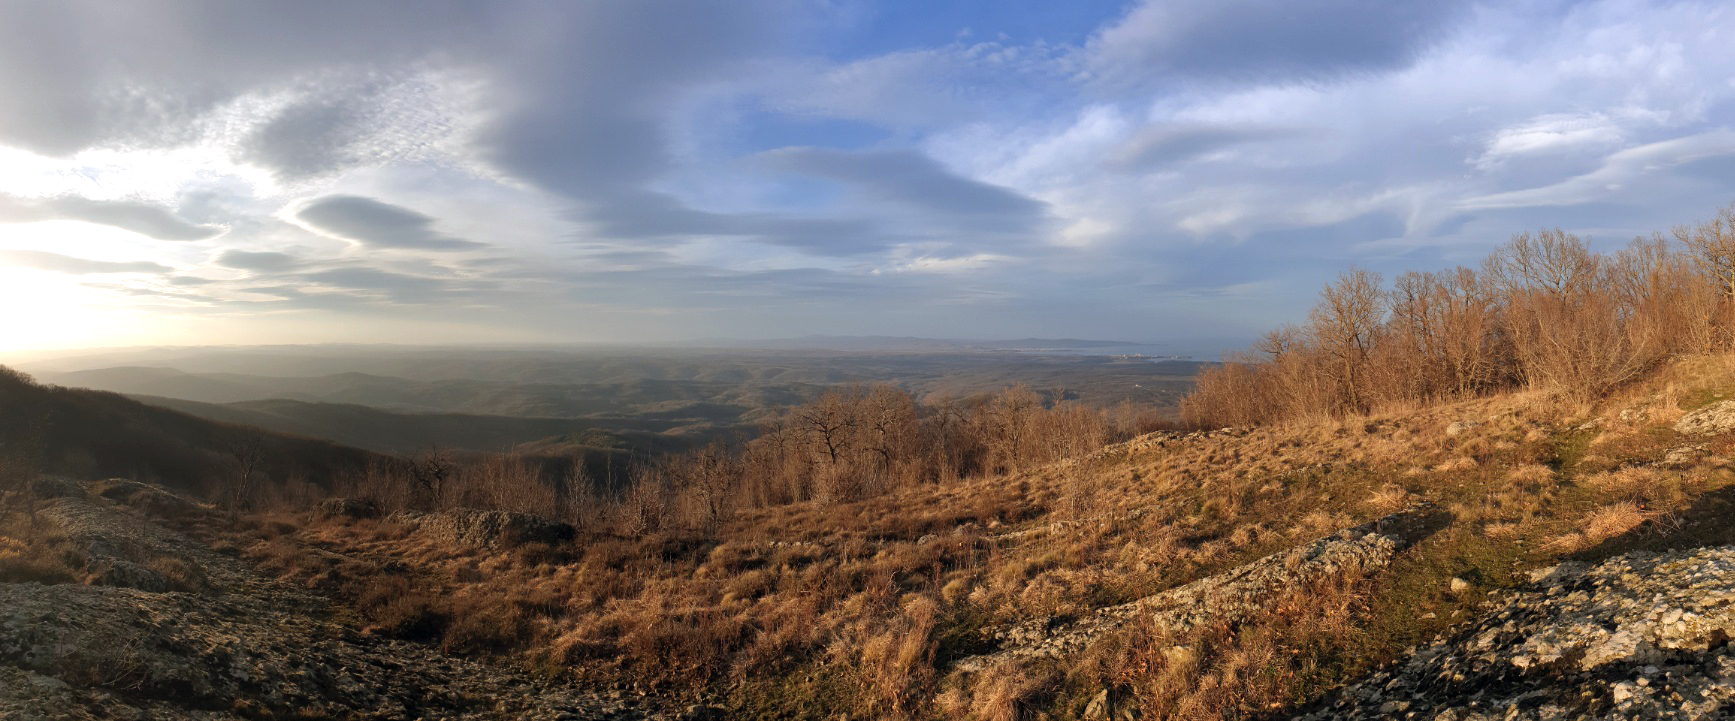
(1138, 169)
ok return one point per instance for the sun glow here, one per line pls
(44, 310)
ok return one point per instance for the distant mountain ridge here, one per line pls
(904, 343)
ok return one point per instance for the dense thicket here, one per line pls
(862, 441)
(1544, 311)
(850, 443)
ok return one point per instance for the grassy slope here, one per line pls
(825, 607)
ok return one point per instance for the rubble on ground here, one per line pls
(1639, 636)
(241, 646)
(1224, 598)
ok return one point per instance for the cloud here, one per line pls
(377, 224)
(1162, 145)
(395, 287)
(143, 218)
(263, 262)
(1554, 133)
(915, 180)
(309, 138)
(57, 263)
(655, 216)
(584, 111)
(1617, 173)
(1160, 42)
(96, 73)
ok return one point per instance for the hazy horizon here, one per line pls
(1204, 349)
(183, 172)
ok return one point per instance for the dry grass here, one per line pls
(1613, 520)
(35, 558)
(1284, 656)
(825, 606)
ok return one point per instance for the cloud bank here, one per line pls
(666, 168)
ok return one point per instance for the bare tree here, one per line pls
(246, 448)
(1344, 323)
(21, 460)
(710, 474)
(1711, 244)
(431, 469)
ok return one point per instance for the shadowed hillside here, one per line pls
(95, 434)
(387, 432)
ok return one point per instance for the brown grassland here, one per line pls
(819, 607)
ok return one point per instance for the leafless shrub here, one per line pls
(1544, 311)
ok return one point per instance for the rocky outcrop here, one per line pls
(242, 646)
(1225, 597)
(1712, 420)
(151, 498)
(117, 549)
(486, 529)
(346, 508)
(1639, 636)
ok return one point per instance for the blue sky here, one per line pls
(446, 171)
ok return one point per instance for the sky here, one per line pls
(506, 171)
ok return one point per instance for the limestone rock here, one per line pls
(1639, 636)
(1715, 419)
(1683, 457)
(1099, 708)
(246, 647)
(487, 529)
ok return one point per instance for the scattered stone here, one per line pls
(1715, 419)
(487, 529)
(702, 713)
(1578, 642)
(1458, 585)
(248, 647)
(1099, 709)
(122, 573)
(348, 508)
(1224, 598)
(151, 498)
(1683, 457)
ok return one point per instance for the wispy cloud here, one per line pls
(377, 224)
(57, 263)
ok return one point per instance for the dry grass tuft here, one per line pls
(1531, 473)
(42, 561)
(1010, 693)
(1389, 498)
(1613, 520)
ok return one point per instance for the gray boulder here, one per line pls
(1712, 420)
(486, 529)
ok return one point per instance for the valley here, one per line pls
(561, 401)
